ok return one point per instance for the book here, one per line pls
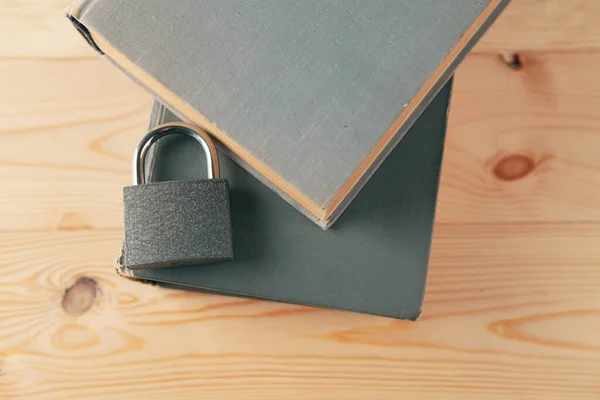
(373, 260)
(309, 96)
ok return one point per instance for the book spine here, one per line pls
(83, 31)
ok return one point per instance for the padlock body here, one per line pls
(177, 223)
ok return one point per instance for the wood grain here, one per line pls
(503, 317)
(545, 25)
(68, 130)
(512, 308)
(522, 144)
(39, 29)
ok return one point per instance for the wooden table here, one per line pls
(512, 307)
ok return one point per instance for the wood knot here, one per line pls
(80, 297)
(514, 167)
(513, 60)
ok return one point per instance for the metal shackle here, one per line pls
(174, 128)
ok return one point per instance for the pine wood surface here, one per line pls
(512, 307)
(36, 29)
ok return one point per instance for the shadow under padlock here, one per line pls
(177, 222)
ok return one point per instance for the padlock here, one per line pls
(176, 223)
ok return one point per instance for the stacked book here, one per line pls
(330, 119)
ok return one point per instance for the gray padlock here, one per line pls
(176, 223)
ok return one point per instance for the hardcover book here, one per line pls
(373, 260)
(309, 96)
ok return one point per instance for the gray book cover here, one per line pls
(309, 96)
(373, 260)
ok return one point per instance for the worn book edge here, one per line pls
(323, 216)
